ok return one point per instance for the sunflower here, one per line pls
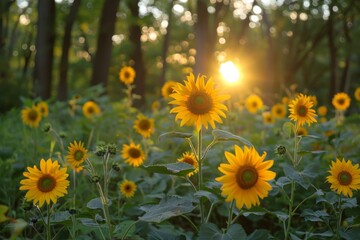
(144, 126)
(313, 99)
(45, 184)
(267, 117)
(301, 111)
(344, 177)
(285, 100)
(155, 106)
(168, 89)
(43, 108)
(127, 188)
(199, 103)
(357, 94)
(31, 116)
(127, 75)
(77, 154)
(190, 159)
(90, 109)
(253, 103)
(245, 177)
(278, 111)
(322, 111)
(133, 154)
(301, 131)
(341, 101)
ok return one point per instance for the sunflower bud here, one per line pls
(95, 179)
(111, 149)
(46, 127)
(116, 167)
(100, 150)
(280, 150)
(62, 134)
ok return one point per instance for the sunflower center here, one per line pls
(46, 183)
(246, 177)
(91, 110)
(134, 153)
(144, 124)
(126, 74)
(341, 101)
(170, 90)
(254, 104)
(33, 115)
(199, 103)
(279, 111)
(302, 111)
(344, 178)
(128, 188)
(78, 155)
(189, 160)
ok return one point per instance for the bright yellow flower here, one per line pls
(127, 188)
(341, 101)
(245, 177)
(253, 103)
(301, 110)
(357, 94)
(144, 126)
(322, 111)
(46, 184)
(31, 116)
(313, 99)
(127, 75)
(301, 131)
(267, 117)
(77, 154)
(168, 89)
(43, 108)
(190, 159)
(278, 111)
(344, 177)
(91, 109)
(133, 154)
(199, 103)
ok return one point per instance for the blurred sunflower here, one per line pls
(91, 109)
(301, 131)
(341, 101)
(267, 117)
(127, 75)
(253, 103)
(46, 184)
(190, 159)
(199, 103)
(144, 126)
(77, 154)
(322, 111)
(155, 106)
(245, 177)
(43, 108)
(301, 111)
(31, 116)
(278, 111)
(127, 188)
(285, 100)
(344, 177)
(313, 98)
(133, 154)
(357, 94)
(167, 89)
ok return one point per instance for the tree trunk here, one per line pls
(136, 53)
(201, 38)
(332, 53)
(64, 61)
(102, 57)
(166, 44)
(44, 48)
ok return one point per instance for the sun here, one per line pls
(198, 102)
(144, 126)
(46, 184)
(133, 154)
(230, 72)
(190, 158)
(77, 154)
(246, 177)
(127, 188)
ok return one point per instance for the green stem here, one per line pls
(105, 204)
(290, 209)
(191, 222)
(48, 233)
(128, 229)
(209, 213)
(311, 196)
(200, 177)
(339, 213)
(231, 209)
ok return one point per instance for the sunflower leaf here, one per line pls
(210, 231)
(174, 135)
(96, 203)
(3, 211)
(221, 135)
(178, 169)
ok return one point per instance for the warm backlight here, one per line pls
(230, 72)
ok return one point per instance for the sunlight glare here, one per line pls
(230, 72)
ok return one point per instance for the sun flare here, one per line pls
(230, 72)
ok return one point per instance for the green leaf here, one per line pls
(314, 216)
(302, 153)
(292, 174)
(209, 195)
(17, 227)
(221, 135)
(88, 222)
(3, 211)
(281, 215)
(121, 229)
(174, 135)
(167, 208)
(58, 217)
(288, 128)
(330, 197)
(283, 181)
(259, 211)
(348, 203)
(96, 203)
(178, 169)
(210, 231)
(311, 136)
(258, 235)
